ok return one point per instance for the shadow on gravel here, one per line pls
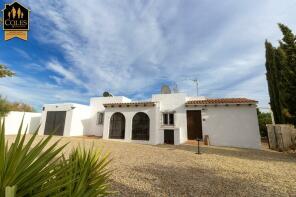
(249, 154)
(124, 190)
(189, 181)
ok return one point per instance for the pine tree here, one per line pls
(5, 72)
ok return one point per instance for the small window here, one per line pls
(165, 119)
(100, 118)
(168, 119)
(171, 119)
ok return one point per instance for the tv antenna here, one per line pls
(196, 83)
(175, 88)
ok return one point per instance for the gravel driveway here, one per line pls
(167, 170)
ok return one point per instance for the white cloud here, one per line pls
(66, 73)
(23, 53)
(33, 67)
(23, 88)
(130, 47)
(58, 80)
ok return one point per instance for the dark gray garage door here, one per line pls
(55, 123)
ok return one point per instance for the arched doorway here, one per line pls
(141, 124)
(117, 126)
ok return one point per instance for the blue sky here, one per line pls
(79, 49)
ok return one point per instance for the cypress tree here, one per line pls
(281, 76)
(272, 80)
(280, 62)
(288, 45)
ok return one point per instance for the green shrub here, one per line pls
(263, 120)
(36, 168)
(4, 107)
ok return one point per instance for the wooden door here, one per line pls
(169, 136)
(194, 124)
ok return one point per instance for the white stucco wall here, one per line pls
(77, 118)
(172, 103)
(13, 121)
(80, 120)
(129, 114)
(96, 105)
(232, 125)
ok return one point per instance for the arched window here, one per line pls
(117, 126)
(141, 124)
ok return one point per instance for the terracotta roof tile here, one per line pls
(220, 101)
(130, 104)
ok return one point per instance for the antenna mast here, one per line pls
(196, 83)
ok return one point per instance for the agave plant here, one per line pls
(84, 174)
(88, 175)
(42, 170)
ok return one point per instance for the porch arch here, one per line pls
(117, 126)
(140, 126)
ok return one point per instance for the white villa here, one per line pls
(165, 118)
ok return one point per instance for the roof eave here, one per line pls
(203, 104)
